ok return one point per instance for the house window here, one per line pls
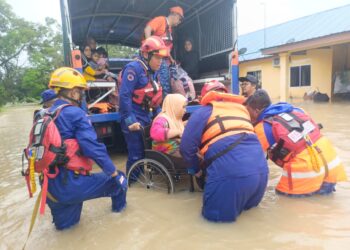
(256, 74)
(300, 76)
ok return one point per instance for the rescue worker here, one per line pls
(236, 167)
(140, 95)
(162, 26)
(70, 188)
(294, 142)
(249, 85)
(48, 97)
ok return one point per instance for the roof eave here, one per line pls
(328, 40)
(256, 59)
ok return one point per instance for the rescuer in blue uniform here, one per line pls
(235, 164)
(140, 94)
(69, 189)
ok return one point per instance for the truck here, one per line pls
(211, 24)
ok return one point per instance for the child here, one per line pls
(90, 67)
(95, 57)
(99, 62)
(167, 127)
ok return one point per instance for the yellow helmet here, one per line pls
(67, 78)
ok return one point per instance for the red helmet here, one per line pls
(177, 10)
(211, 86)
(154, 45)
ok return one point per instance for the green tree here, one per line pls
(44, 56)
(28, 53)
(120, 51)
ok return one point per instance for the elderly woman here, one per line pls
(167, 127)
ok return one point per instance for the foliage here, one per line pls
(120, 51)
(28, 53)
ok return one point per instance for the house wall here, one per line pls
(321, 72)
(270, 77)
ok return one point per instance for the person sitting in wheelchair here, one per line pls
(167, 127)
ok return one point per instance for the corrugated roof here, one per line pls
(314, 26)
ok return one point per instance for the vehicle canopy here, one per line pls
(209, 23)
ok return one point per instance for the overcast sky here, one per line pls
(251, 15)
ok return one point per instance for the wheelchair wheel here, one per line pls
(150, 174)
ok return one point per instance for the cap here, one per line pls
(249, 78)
(47, 95)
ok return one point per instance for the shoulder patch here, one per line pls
(130, 77)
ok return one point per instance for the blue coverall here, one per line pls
(70, 189)
(134, 77)
(237, 180)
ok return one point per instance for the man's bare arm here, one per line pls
(148, 31)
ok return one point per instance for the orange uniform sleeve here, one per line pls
(158, 25)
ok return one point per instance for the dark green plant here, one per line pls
(28, 53)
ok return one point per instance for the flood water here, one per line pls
(159, 221)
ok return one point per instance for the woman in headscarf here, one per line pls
(167, 127)
(190, 59)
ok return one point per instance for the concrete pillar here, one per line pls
(284, 76)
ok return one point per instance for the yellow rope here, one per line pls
(32, 221)
(316, 166)
(314, 159)
(324, 161)
(32, 172)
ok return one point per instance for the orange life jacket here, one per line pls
(304, 168)
(103, 107)
(300, 177)
(229, 117)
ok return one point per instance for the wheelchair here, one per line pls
(159, 171)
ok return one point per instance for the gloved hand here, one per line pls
(121, 180)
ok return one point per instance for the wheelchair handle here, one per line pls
(143, 134)
(142, 129)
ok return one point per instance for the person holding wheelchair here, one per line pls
(140, 94)
(234, 161)
(167, 127)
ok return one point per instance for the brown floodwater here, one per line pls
(155, 220)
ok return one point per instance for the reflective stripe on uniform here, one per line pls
(332, 164)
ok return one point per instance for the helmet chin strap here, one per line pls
(71, 99)
(145, 61)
